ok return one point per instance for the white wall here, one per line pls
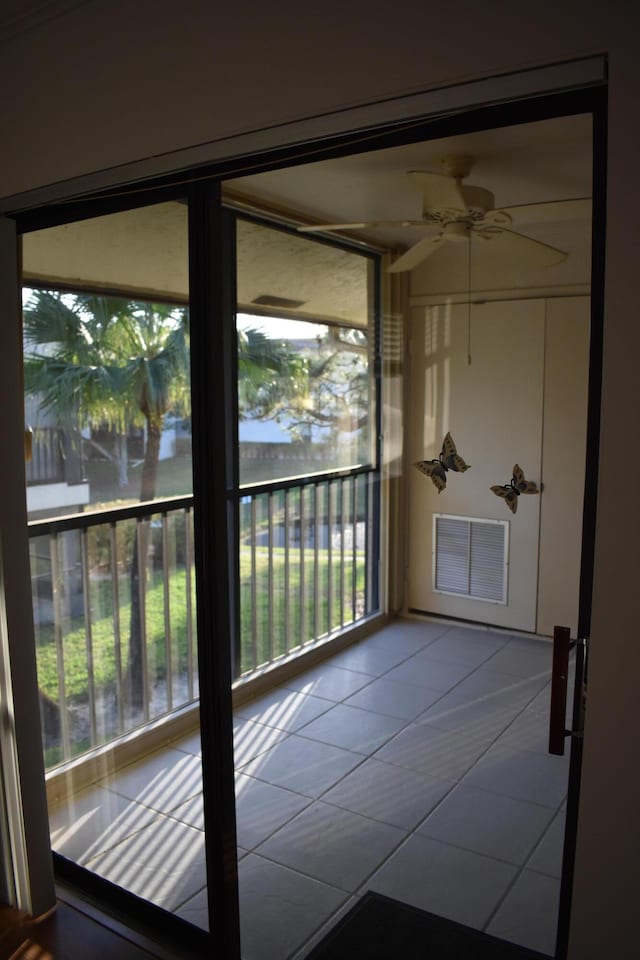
(493, 409)
(113, 82)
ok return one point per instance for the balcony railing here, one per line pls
(114, 599)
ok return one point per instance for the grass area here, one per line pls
(285, 593)
(103, 642)
(289, 594)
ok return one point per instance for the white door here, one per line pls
(526, 356)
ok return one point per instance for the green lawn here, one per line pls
(303, 617)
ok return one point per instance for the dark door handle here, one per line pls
(559, 678)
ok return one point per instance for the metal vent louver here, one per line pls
(470, 557)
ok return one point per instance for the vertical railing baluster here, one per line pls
(270, 587)
(86, 588)
(188, 588)
(303, 617)
(354, 521)
(168, 651)
(287, 573)
(57, 626)
(254, 592)
(316, 561)
(367, 544)
(115, 617)
(341, 512)
(142, 545)
(329, 558)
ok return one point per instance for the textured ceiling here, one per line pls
(146, 250)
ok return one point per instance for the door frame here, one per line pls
(583, 91)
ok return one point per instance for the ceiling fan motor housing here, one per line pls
(476, 202)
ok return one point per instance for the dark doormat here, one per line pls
(379, 928)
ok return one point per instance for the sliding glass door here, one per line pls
(108, 412)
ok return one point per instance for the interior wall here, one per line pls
(85, 93)
(493, 409)
(522, 399)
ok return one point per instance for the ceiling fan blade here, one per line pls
(416, 254)
(371, 224)
(439, 192)
(508, 243)
(552, 211)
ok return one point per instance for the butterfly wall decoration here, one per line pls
(449, 459)
(512, 490)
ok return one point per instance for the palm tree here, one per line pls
(93, 360)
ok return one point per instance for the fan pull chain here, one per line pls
(469, 300)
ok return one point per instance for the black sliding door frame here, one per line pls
(212, 306)
(212, 334)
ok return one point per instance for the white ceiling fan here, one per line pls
(462, 213)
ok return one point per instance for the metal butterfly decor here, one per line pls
(449, 459)
(512, 490)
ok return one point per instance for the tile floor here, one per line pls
(414, 763)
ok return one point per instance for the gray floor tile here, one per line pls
(547, 856)
(407, 636)
(529, 731)
(190, 812)
(459, 689)
(403, 700)
(445, 880)
(521, 775)
(163, 863)
(462, 645)
(484, 718)
(529, 913)
(424, 671)
(487, 823)
(485, 682)
(438, 753)
(322, 931)
(94, 821)
(250, 739)
(333, 845)
(331, 683)
(523, 657)
(389, 793)
(365, 657)
(189, 744)
(285, 709)
(304, 766)
(262, 808)
(279, 908)
(163, 780)
(359, 730)
(195, 910)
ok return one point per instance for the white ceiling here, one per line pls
(145, 250)
(528, 163)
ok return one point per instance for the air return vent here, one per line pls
(267, 300)
(470, 557)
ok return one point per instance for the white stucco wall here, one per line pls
(113, 82)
